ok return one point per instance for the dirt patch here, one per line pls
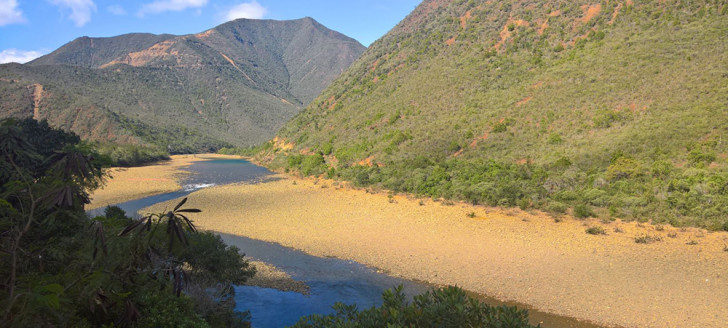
(615, 13)
(37, 99)
(464, 19)
(543, 27)
(524, 101)
(204, 35)
(450, 41)
(143, 57)
(280, 143)
(475, 141)
(369, 162)
(508, 30)
(590, 11)
(677, 281)
(374, 65)
(236, 67)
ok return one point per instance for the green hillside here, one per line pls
(235, 84)
(614, 109)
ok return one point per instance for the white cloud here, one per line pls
(18, 56)
(117, 10)
(160, 6)
(9, 12)
(80, 9)
(251, 10)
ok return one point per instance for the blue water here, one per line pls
(330, 280)
(204, 174)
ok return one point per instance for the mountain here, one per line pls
(235, 84)
(613, 109)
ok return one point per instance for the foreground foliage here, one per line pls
(446, 307)
(60, 268)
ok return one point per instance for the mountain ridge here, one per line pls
(234, 84)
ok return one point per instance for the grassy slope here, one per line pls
(467, 99)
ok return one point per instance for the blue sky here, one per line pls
(31, 28)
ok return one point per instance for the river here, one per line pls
(330, 280)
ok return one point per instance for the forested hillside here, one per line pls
(235, 84)
(613, 109)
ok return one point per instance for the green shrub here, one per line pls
(313, 164)
(583, 211)
(647, 239)
(444, 307)
(624, 168)
(557, 207)
(596, 230)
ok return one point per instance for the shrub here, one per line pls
(647, 239)
(583, 211)
(557, 207)
(445, 307)
(596, 230)
(623, 168)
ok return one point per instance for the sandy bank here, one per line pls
(136, 182)
(269, 276)
(681, 281)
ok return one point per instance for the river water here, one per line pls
(330, 280)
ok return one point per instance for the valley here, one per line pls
(551, 264)
(559, 162)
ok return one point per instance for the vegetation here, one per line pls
(516, 103)
(233, 85)
(647, 239)
(596, 230)
(126, 155)
(445, 307)
(60, 268)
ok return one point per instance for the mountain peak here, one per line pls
(236, 83)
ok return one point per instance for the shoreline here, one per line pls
(507, 254)
(142, 181)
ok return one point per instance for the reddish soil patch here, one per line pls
(481, 138)
(369, 161)
(524, 101)
(204, 35)
(141, 58)
(505, 33)
(450, 41)
(615, 13)
(281, 144)
(374, 66)
(555, 13)
(464, 19)
(543, 27)
(590, 12)
(537, 85)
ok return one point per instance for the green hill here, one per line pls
(235, 84)
(615, 109)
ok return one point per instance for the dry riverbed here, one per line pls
(678, 279)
